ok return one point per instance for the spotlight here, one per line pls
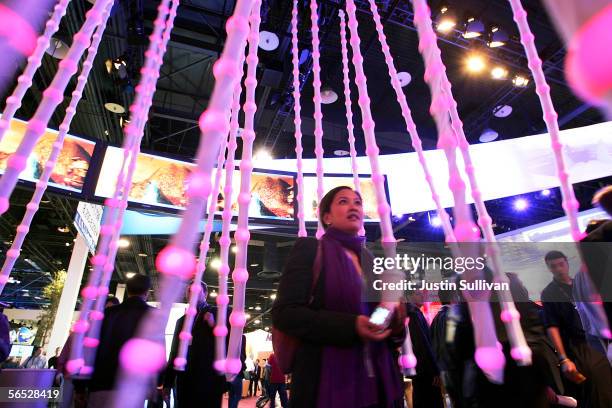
(499, 73)
(498, 37)
(520, 204)
(475, 63)
(435, 221)
(474, 28)
(273, 296)
(520, 81)
(213, 294)
(258, 308)
(234, 249)
(215, 263)
(257, 321)
(446, 22)
(247, 315)
(63, 229)
(123, 243)
(328, 95)
(130, 275)
(262, 155)
(545, 193)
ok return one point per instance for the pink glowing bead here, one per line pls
(96, 315)
(224, 270)
(89, 292)
(233, 365)
(73, 366)
(86, 370)
(103, 290)
(91, 342)
(112, 202)
(489, 358)
(141, 356)
(225, 241)
(185, 336)
(467, 232)
(12, 253)
(80, 326)
(508, 315)
(17, 162)
(240, 275)
(212, 121)
(589, 70)
(32, 207)
(180, 362)
(176, 261)
(521, 353)
(237, 319)
(222, 300)
(219, 365)
(242, 235)
(220, 331)
(407, 361)
(606, 333)
(23, 229)
(4, 204)
(198, 185)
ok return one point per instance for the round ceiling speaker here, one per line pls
(502, 111)
(488, 135)
(114, 107)
(57, 48)
(404, 78)
(328, 95)
(268, 41)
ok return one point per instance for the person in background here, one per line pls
(5, 338)
(199, 385)
(277, 383)
(52, 363)
(254, 379)
(119, 325)
(36, 360)
(580, 363)
(344, 360)
(265, 379)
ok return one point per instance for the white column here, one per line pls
(120, 291)
(70, 294)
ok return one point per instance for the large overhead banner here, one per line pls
(72, 164)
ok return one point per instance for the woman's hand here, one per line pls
(370, 331)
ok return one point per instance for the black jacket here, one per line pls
(311, 323)
(119, 325)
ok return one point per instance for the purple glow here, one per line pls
(545, 193)
(520, 204)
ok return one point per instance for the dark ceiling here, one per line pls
(186, 83)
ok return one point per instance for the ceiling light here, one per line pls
(488, 135)
(213, 294)
(445, 22)
(520, 204)
(502, 111)
(545, 193)
(273, 296)
(247, 315)
(341, 153)
(123, 243)
(250, 307)
(435, 221)
(254, 265)
(63, 229)
(328, 95)
(257, 321)
(498, 37)
(475, 63)
(262, 155)
(266, 328)
(258, 308)
(67, 244)
(499, 73)
(268, 41)
(474, 28)
(520, 81)
(215, 263)
(57, 47)
(143, 255)
(234, 249)
(404, 78)
(130, 275)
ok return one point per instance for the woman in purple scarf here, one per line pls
(343, 359)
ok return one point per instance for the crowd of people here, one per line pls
(342, 358)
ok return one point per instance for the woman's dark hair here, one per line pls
(328, 199)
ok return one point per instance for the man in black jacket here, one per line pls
(199, 385)
(119, 325)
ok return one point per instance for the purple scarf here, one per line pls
(363, 375)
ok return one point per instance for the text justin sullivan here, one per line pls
(404, 284)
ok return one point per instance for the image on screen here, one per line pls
(161, 181)
(368, 194)
(72, 164)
